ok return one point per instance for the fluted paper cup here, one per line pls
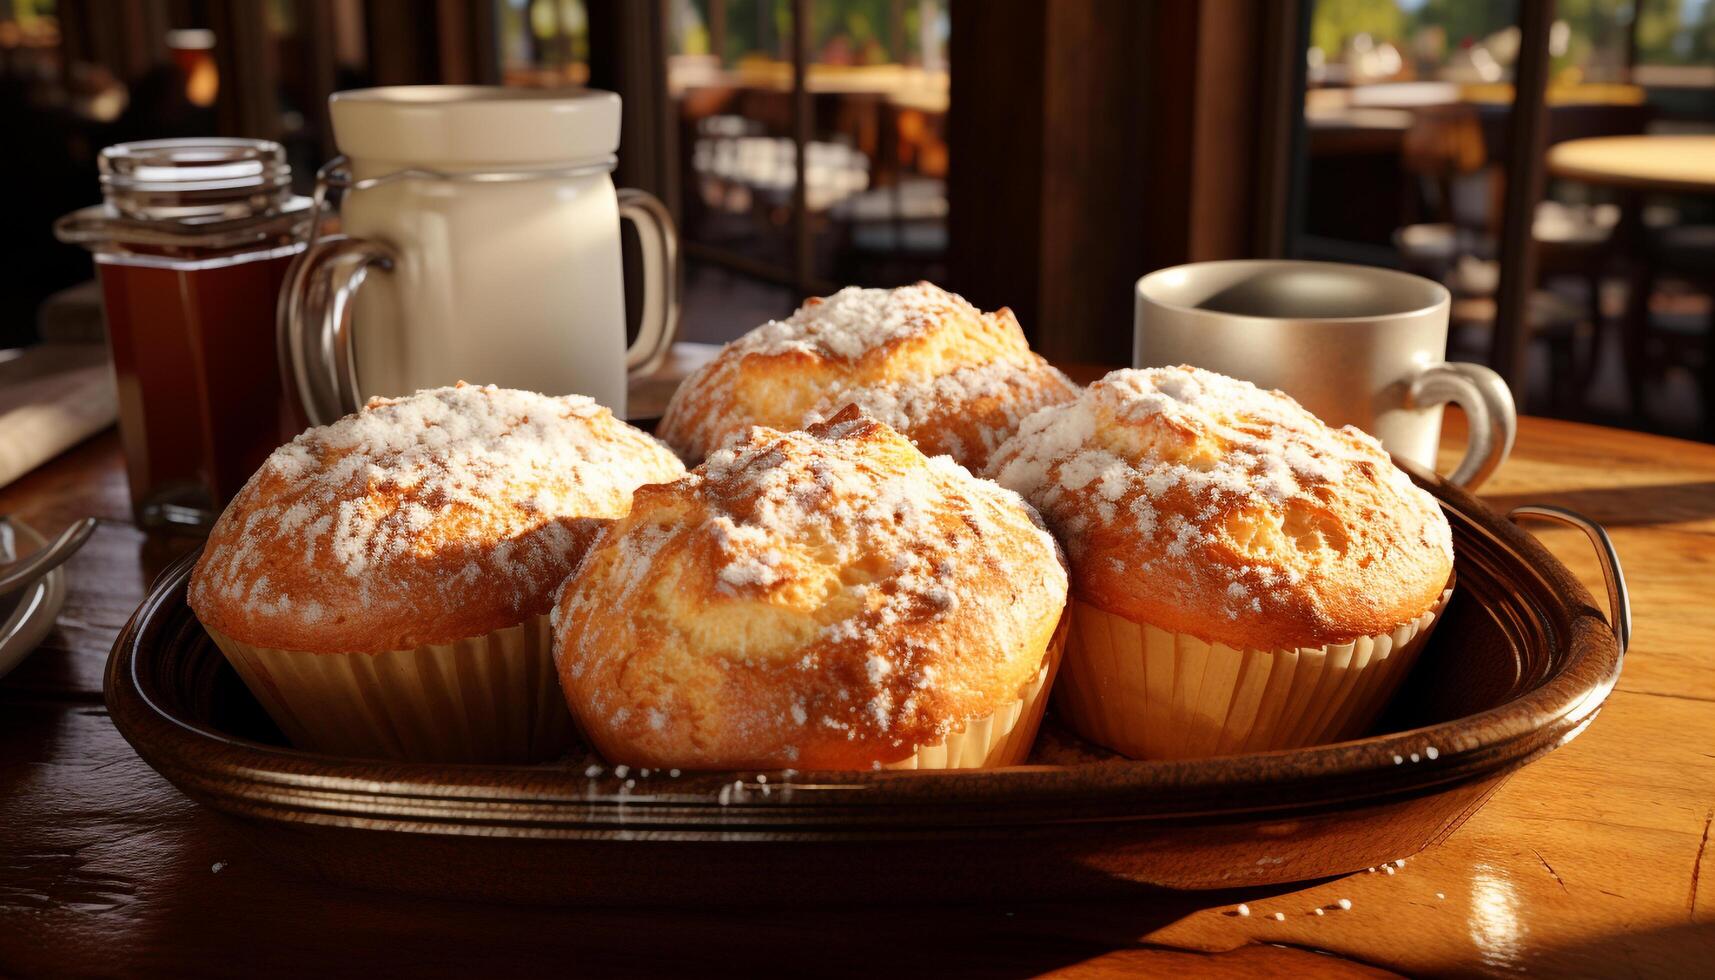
(1152, 694)
(1005, 737)
(489, 698)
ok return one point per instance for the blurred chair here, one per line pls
(1685, 253)
(892, 234)
(1577, 240)
(1443, 147)
(1445, 151)
(897, 229)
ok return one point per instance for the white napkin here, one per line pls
(52, 397)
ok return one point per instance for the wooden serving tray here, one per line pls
(1521, 663)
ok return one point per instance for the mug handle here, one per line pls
(1488, 406)
(660, 246)
(314, 324)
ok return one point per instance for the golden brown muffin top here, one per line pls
(446, 514)
(1205, 505)
(820, 599)
(950, 377)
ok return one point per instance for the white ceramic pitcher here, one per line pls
(491, 222)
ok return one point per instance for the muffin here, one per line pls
(1244, 577)
(825, 599)
(382, 584)
(950, 378)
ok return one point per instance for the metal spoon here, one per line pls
(25, 570)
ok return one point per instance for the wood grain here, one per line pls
(1592, 862)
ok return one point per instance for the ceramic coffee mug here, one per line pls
(483, 228)
(1355, 345)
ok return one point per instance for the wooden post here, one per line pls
(803, 270)
(1280, 126)
(628, 55)
(143, 35)
(453, 59)
(77, 35)
(995, 132)
(403, 49)
(320, 39)
(896, 31)
(1524, 181)
(467, 46)
(1098, 201)
(717, 30)
(105, 47)
(249, 77)
(1093, 141)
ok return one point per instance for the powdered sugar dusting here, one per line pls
(796, 487)
(477, 480)
(864, 557)
(1192, 461)
(1014, 387)
(854, 321)
(948, 376)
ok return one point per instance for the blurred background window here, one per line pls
(861, 114)
(544, 43)
(1408, 111)
(805, 145)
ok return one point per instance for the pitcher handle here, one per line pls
(660, 246)
(314, 323)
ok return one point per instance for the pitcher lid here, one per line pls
(463, 125)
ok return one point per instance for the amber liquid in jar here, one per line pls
(200, 403)
(192, 243)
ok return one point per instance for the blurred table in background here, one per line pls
(1384, 157)
(1656, 164)
(1635, 168)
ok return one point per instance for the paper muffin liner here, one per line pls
(1005, 737)
(1149, 693)
(489, 698)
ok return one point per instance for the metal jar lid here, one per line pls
(198, 193)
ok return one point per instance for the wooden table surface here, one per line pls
(1586, 863)
(1663, 163)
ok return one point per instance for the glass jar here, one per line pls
(192, 242)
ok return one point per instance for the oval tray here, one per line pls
(1520, 664)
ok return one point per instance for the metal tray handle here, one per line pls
(1619, 600)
